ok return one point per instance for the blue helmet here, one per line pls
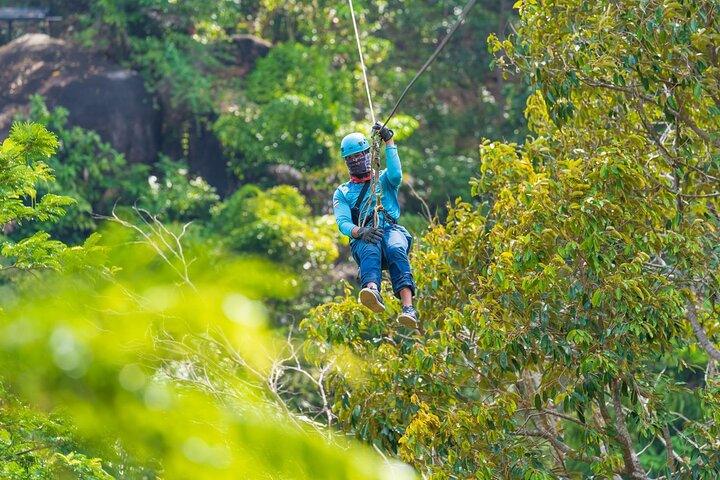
(353, 143)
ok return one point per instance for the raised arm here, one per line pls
(394, 168)
(393, 174)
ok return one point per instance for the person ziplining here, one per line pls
(376, 240)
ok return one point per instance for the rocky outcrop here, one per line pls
(99, 95)
(244, 50)
(113, 101)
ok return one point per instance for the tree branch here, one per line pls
(632, 464)
(700, 333)
(669, 449)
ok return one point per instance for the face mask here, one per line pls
(358, 163)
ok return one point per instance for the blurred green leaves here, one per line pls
(91, 352)
(97, 343)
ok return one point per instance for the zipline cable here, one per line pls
(430, 60)
(362, 61)
(375, 149)
(376, 143)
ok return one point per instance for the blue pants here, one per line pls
(391, 253)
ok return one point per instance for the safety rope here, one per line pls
(432, 58)
(362, 61)
(375, 149)
(374, 190)
(375, 161)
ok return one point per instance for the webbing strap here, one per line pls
(361, 197)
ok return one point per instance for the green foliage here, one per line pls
(291, 130)
(180, 66)
(87, 170)
(175, 195)
(295, 104)
(438, 175)
(105, 349)
(276, 223)
(102, 343)
(298, 101)
(98, 178)
(22, 166)
(293, 68)
(37, 446)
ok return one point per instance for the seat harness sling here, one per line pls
(355, 210)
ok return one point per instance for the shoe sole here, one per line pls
(368, 299)
(407, 321)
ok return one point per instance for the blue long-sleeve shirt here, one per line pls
(346, 195)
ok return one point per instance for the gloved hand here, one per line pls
(384, 132)
(370, 234)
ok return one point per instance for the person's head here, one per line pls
(355, 150)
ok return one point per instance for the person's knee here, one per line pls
(396, 252)
(366, 251)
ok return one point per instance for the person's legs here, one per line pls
(406, 297)
(395, 249)
(369, 258)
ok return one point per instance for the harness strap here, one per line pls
(355, 210)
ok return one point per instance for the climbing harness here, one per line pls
(374, 190)
(375, 136)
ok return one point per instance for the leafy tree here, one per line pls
(86, 169)
(457, 106)
(22, 166)
(298, 100)
(114, 379)
(181, 68)
(277, 224)
(291, 130)
(33, 445)
(175, 195)
(562, 317)
(37, 446)
(300, 69)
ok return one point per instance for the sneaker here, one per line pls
(408, 317)
(371, 298)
